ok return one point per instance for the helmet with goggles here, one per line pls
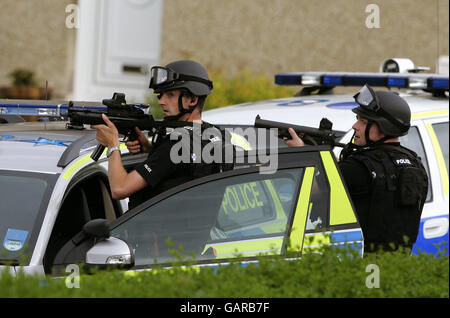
(184, 74)
(387, 109)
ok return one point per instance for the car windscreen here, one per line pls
(24, 197)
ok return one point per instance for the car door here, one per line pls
(87, 197)
(434, 225)
(244, 213)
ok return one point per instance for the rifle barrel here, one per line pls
(323, 135)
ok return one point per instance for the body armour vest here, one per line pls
(197, 151)
(399, 190)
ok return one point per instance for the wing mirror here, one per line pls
(98, 228)
(110, 250)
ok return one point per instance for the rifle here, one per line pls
(312, 136)
(124, 116)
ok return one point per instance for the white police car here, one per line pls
(57, 209)
(49, 188)
(427, 95)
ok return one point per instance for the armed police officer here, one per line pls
(387, 182)
(182, 88)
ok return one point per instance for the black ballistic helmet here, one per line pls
(387, 109)
(185, 74)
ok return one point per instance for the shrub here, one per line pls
(23, 77)
(242, 88)
(333, 274)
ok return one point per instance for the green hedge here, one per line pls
(244, 87)
(241, 88)
(328, 275)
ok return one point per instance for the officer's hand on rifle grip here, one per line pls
(107, 135)
(295, 140)
(141, 144)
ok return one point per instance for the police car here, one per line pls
(427, 96)
(57, 208)
(49, 189)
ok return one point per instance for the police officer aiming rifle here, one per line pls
(387, 182)
(182, 88)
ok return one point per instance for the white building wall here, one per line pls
(117, 43)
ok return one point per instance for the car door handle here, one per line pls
(435, 227)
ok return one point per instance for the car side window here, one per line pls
(414, 142)
(231, 208)
(441, 130)
(245, 204)
(256, 208)
(319, 203)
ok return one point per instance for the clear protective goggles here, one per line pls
(366, 98)
(161, 75)
(165, 77)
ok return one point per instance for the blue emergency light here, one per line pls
(41, 108)
(438, 83)
(411, 81)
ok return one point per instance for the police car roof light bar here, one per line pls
(430, 82)
(46, 108)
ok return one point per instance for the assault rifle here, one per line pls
(311, 136)
(124, 116)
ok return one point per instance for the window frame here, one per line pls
(427, 166)
(326, 226)
(81, 177)
(439, 186)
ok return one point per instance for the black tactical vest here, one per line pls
(399, 190)
(196, 167)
